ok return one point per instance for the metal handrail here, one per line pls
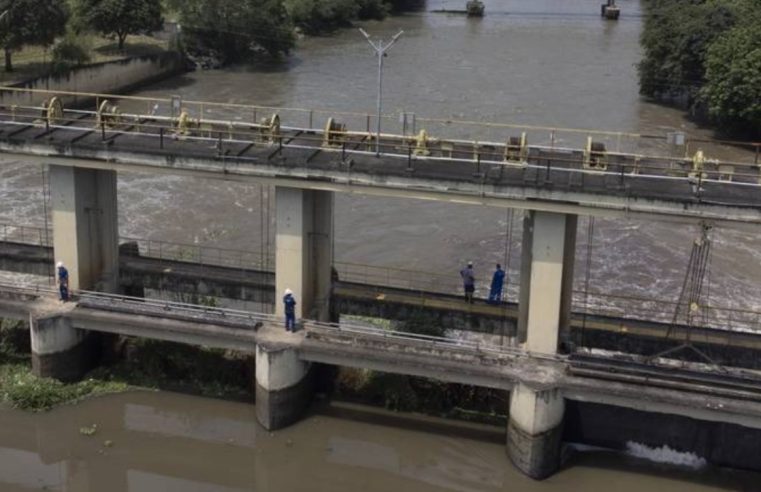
(382, 276)
(203, 107)
(207, 313)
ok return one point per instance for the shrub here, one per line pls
(71, 51)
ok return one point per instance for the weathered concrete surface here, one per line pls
(26, 258)
(304, 251)
(739, 349)
(59, 350)
(535, 430)
(719, 443)
(114, 77)
(546, 279)
(284, 386)
(499, 186)
(85, 226)
(448, 311)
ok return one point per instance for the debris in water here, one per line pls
(89, 431)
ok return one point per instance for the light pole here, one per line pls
(380, 49)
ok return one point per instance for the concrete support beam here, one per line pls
(304, 250)
(60, 351)
(284, 387)
(85, 226)
(535, 430)
(547, 262)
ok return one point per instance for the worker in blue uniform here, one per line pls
(290, 310)
(468, 281)
(62, 276)
(497, 281)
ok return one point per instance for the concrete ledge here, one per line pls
(71, 364)
(537, 456)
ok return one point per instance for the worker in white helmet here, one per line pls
(290, 310)
(62, 279)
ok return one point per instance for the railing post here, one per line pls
(161, 137)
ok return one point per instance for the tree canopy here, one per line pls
(120, 18)
(732, 91)
(706, 51)
(30, 22)
(237, 28)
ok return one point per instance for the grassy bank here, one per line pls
(36, 61)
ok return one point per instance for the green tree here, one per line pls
(237, 28)
(732, 92)
(120, 18)
(30, 22)
(314, 16)
(676, 36)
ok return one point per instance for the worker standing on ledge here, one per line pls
(468, 281)
(63, 281)
(495, 293)
(290, 310)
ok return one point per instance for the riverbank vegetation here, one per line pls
(706, 54)
(136, 364)
(414, 394)
(39, 37)
(237, 30)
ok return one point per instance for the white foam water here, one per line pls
(665, 454)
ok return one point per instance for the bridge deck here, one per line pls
(302, 154)
(699, 391)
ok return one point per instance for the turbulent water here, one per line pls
(538, 62)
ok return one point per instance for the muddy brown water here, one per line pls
(541, 62)
(163, 442)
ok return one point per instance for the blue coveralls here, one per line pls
(468, 282)
(290, 312)
(63, 283)
(495, 293)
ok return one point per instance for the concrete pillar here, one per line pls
(535, 430)
(546, 279)
(60, 351)
(304, 250)
(85, 226)
(284, 387)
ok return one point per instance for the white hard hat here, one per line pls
(470, 263)
(59, 264)
(288, 292)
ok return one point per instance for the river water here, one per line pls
(162, 442)
(539, 62)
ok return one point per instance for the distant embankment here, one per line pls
(112, 77)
